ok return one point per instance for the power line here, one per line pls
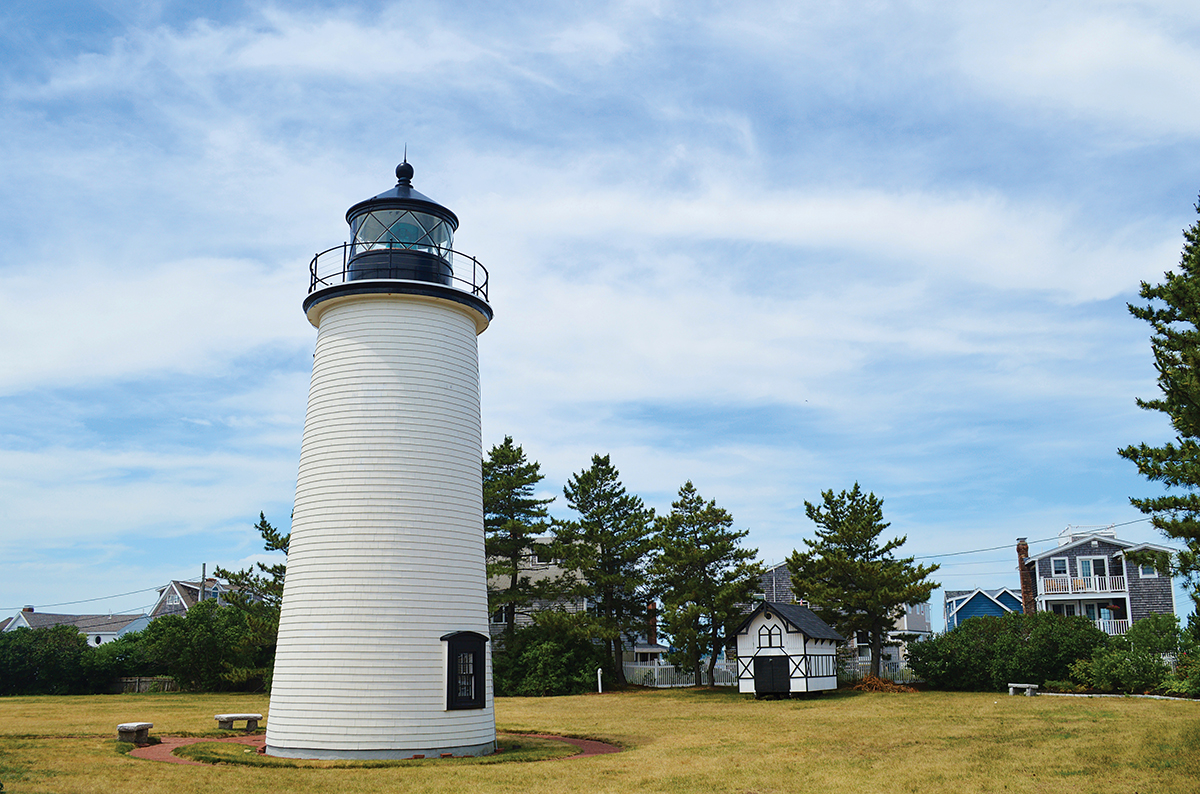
(91, 600)
(1040, 540)
(974, 551)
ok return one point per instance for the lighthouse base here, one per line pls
(487, 748)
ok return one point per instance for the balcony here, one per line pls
(1113, 627)
(1069, 585)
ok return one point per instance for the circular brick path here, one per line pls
(165, 750)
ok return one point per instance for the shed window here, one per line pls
(770, 637)
(465, 679)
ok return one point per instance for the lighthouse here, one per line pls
(383, 635)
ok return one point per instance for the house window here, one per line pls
(770, 637)
(465, 679)
(1091, 566)
(1147, 572)
(172, 598)
(1058, 566)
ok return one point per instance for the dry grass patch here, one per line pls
(677, 742)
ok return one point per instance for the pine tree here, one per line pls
(258, 593)
(605, 552)
(512, 519)
(703, 576)
(1173, 312)
(855, 584)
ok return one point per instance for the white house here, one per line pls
(785, 649)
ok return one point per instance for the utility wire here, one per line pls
(1040, 540)
(6, 610)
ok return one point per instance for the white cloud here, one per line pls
(1113, 63)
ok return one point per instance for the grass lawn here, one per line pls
(676, 742)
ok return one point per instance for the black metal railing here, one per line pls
(333, 266)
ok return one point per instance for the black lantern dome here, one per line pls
(401, 234)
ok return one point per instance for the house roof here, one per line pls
(961, 598)
(1080, 541)
(4, 623)
(89, 624)
(800, 617)
(188, 592)
(952, 595)
(1123, 545)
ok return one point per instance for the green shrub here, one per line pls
(1122, 669)
(987, 653)
(554, 656)
(42, 661)
(1185, 678)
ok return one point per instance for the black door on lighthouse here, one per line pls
(771, 675)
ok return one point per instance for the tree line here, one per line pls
(615, 558)
(618, 557)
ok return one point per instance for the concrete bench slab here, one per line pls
(225, 721)
(1030, 689)
(134, 732)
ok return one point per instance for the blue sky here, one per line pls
(774, 248)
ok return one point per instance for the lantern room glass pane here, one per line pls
(417, 231)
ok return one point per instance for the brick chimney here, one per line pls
(27, 608)
(1028, 579)
(651, 623)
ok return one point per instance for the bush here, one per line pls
(987, 653)
(554, 656)
(1133, 662)
(42, 661)
(1185, 679)
(123, 657)
(207, 650)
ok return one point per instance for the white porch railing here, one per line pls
(664, 676)
(1113, 627)
(1083, 584)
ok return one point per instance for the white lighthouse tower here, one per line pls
(383, 635)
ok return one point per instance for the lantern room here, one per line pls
(401, 234)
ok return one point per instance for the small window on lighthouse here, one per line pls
(465, 680)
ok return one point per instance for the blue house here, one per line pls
(963, 604)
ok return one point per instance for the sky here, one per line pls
(774, 248)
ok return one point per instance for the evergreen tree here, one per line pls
(1173, 313)
(512, 519)
(605, 552)
(854, 583)
(257, 593)
(704, 577)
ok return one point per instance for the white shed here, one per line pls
(784, 649)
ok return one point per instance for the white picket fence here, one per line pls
(663, 676)
(854, 671)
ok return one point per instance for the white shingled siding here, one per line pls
(386, 551)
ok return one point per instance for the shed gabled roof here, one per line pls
(798, 617)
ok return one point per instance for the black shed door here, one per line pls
(771, 675)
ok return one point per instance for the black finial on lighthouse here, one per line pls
(404, 174)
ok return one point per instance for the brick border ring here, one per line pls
(165, 750)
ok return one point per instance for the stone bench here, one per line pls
(1030, 689)
(135, 732)
(225, 721)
